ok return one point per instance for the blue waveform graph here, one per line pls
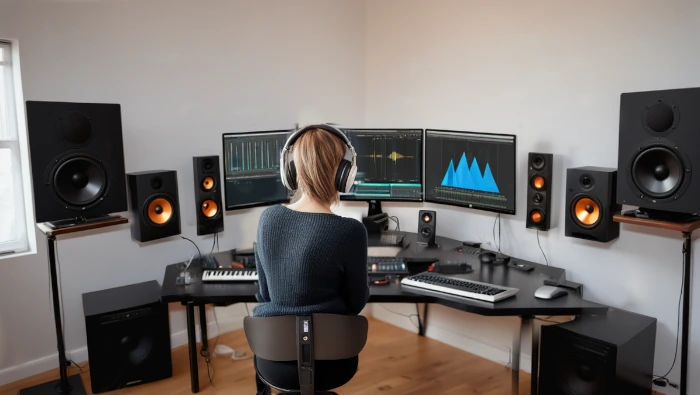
(470, 177)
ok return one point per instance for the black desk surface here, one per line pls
(523, 303)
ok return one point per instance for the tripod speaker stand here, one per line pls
(72, 385)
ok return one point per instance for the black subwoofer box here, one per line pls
(128, 336)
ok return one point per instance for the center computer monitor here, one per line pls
(475, 170)
(252, 169)
(389, 165)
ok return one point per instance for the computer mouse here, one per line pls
(549, 292)
(487, 257)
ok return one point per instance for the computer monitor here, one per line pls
(389, 165)
(466, 169)
(252, 169)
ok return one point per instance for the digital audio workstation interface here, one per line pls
(475, 170)
(389, 164)
(252, 168)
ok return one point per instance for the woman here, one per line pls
(310, 260)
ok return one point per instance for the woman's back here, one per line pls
(310, 263)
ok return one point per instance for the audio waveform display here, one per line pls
(394, 156)
(469, 177)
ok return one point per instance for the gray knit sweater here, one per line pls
(310, 263)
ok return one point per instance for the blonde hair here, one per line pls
(317, 155)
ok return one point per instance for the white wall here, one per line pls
(184, 72)
(550, 72)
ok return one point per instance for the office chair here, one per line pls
(305, 339)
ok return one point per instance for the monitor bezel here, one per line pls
(288, 132)
(422, 168)
(472, 206)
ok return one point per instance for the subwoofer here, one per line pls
(128, 336)
(77, 158)
(611, 354)
(207, 192)
(539, 190)
(154, 204)
(659, 140)
(427, 223)
(590, 199)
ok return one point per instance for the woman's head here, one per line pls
(317, 155)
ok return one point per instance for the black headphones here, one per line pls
(344, 176)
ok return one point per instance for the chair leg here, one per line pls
(260, 387)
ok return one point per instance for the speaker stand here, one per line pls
(66, 223)
(65, 385)
(686, 229)
(658, 215)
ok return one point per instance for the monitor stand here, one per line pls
(376, 221)
(659, 215)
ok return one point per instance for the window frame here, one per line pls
(25, 243)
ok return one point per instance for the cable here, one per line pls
(214, 243)
(497, 219)
(246, 309)
(538, 243)
(409, 316)
(217, 243)
(678, 324)
(80, 368)
(398, 225)
(195, 245)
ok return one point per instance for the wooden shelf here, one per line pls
(677, 226)
(118, 220)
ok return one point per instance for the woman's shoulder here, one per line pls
(354, 228)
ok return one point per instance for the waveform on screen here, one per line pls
(394, 156)
(470, 177)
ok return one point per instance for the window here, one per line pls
(15, 212)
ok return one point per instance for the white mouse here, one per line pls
(549, 292)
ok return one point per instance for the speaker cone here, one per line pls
(426, 231)
(79, 181)
(427, 218)
(538, 162)
(657, 172)
(578, 376)
(537, 182)
(536, 216)
(208, 183)
(137, 349)
(586, 211)
(75, 127)
(660, 117)
(209, 208)
(159, 211)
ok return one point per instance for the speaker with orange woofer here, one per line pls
(590, 199)
(207, 193)
(539, 190)
(154, 204)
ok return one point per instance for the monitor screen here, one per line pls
(466, 169)
(252, 169)
(389, 164)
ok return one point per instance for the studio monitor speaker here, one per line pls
(207, 193)
(154, 204)
(426, 227)
(77, 159)
(658, 146)
(609, 354)
(128, 336)
(539, 190)
(590, 199)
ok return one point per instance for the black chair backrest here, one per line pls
(323, 337)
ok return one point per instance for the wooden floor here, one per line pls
(393, 362)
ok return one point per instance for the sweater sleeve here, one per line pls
(262, 295)
(356, 278)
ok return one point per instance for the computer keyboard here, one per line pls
(459, 287)
(229, 275)
(386, 265)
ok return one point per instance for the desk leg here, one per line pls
(515, 358)
(422, 322)
(192, 346)
(687, 243)
(535, 366)
(203, 329)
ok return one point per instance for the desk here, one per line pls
(523, 304)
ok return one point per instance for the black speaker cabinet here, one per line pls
(77, 159)
(207, 193)
(128, 336)
(539, 190)
(659, 140)
(590, 199)
(610, 354)
(154, 204)
(427, 223)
